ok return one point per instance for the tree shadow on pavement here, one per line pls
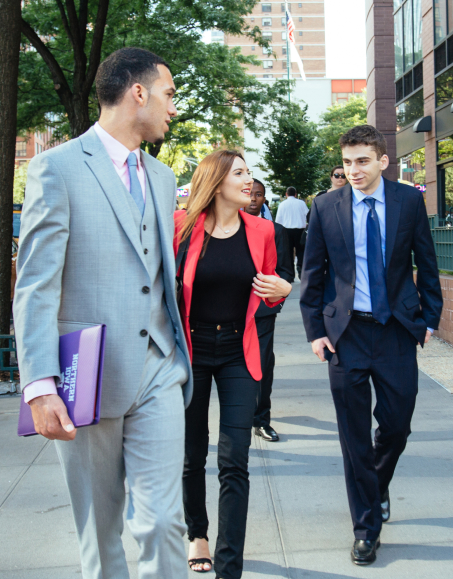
(393, 552)
(277, 571)
(446, 522)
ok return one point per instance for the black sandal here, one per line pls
(201, 560)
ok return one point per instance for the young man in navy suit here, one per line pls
(363, 313)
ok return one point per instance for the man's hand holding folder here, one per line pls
(51, 419)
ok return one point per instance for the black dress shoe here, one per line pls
(364, 552)
(267, 432)
(385, 506)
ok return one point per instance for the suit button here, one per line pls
(144, 228)
(349, 312)
(143, 333)
(352, 285)
(145, 289)
(145, 251)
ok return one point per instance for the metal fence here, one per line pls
(442, 233)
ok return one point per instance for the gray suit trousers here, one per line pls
(145, 446)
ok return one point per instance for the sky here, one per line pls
(345, 38)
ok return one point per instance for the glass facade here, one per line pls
(440, 20)
(418, 24)
(408, 35)
(444, 87)
(445, 149)
(399, 67)
(410, 110)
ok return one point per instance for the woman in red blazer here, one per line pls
(228, 269)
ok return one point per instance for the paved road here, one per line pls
(299, 524)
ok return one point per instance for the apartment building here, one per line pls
(308, 18)
(33, 144)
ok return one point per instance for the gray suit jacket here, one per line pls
(81, 263)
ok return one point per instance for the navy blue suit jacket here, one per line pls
(329, 270)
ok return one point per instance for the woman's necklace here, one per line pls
(226, 231)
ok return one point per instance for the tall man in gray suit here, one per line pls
(96, 247)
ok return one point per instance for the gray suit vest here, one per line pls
(160, 325)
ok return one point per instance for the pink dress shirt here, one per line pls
(119, 154)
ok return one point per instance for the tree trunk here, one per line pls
(80, 118)
(10, 26)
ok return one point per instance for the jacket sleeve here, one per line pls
(313, 276)
(428, 284)
(284, 267)
(270, 262)
(44, 236)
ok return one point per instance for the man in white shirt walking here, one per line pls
(292, 214)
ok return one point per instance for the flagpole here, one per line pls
(288, 59)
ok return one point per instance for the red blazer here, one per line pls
(261, 239)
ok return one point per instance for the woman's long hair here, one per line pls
(205, 181)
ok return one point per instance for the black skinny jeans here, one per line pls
(219, 354)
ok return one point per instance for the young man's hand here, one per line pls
(51, 418)
(318, 347)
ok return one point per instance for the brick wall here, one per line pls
(381, 75)
(445, 331)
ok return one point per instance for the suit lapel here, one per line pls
(392, 218)
(255, 242)
(155, 187)
(343, 208)
(102, 167)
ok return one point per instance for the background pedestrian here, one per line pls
(265, 318)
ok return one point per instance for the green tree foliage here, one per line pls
(336, 121)
(292, 152)
(20, 180)
(69, 40)
(183, 155)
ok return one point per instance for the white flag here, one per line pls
(295, 57)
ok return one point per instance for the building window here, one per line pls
(300, 18)
(253, 48)
(408, 35)
(268, 76)
(408, 47)
(283, 35)
(267, 36)
(268, 64)
(300, 33)
(283, 21)
(300, 5)
(284, 50)
(410, 110)
(267, 51)
(301, 47)
(21, 148)
(267, 21)
(444, 87)
(289, 7)
(266, 7)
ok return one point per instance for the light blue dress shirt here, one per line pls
(362, 297)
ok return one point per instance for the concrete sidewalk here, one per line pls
(299, 524)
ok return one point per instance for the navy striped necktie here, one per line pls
(376, 269)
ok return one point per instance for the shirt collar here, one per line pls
(379, 194)
(116, 150)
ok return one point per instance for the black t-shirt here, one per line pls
(223, 280)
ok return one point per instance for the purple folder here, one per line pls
(81, 365)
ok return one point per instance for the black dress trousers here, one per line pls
(294, 243)
(387, 355)
(265, 326)
(218, 353)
